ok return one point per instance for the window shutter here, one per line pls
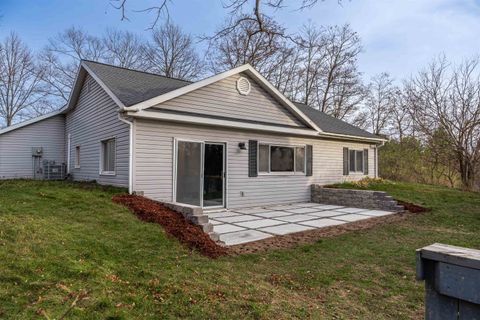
(252, 158)
(365, 161)
(309, 157)
(345, 162)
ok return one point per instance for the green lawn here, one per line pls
(60, 241)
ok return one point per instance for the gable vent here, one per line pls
(243, 86)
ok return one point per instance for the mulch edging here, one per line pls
(173, 223)
(194, 238)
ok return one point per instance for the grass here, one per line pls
(61, 241)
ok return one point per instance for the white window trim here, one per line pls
(101, 171)
(355, 162)
(77, 156)
(282, 173)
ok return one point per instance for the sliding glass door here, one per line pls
(200, 173)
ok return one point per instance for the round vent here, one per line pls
(243, 86)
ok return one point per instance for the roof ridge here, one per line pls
(134, 70)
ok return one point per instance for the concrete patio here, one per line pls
(252, 224)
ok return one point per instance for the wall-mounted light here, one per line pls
(242, 146)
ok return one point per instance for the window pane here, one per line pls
(281, 159)
(300, 160)
(352, 160)
(77, 157)
(359, 161)
(111, 155)
(263, 158)
(108, 156)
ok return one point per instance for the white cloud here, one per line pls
(402, 36)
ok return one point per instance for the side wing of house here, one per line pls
(155, 141)
(89, 126)
(16, 146)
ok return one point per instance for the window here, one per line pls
(108, 157)
(77, 157)
(356, 160)
(280, 159)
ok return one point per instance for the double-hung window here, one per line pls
(281, 159)
(77, 157)
(356, 160)
(107, 162)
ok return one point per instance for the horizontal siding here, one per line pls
(153, 164)
(16, 147)
(222, 99)
(95, 118)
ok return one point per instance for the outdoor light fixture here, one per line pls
(242, 146)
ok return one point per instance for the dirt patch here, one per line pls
(293, 239)
(413, 208)
(174, 224)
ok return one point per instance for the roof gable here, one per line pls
(134, 91)
(131, 86)
(222, 99)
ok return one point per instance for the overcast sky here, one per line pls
(398, 36)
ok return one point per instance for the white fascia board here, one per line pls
(158, 115)
(197, 85)
(349, 137)
(31, 121)
(219, 122)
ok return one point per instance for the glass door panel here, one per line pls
(189, 172)
(213, 178)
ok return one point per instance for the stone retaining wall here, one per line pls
(196, 216)
(377, 200)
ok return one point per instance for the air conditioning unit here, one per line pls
(53, 171)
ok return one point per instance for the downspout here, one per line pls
(130, 152)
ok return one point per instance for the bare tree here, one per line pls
(172, 53)
(239, 11)
(380, 102)
(340, 86)
(124, 49)
(61, 57)
(240, 47)
(20, 81)
(448, 100)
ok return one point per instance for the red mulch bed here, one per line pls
(413, 208)
(174, 224)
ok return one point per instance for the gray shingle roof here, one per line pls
(131, 86)
(333, 125)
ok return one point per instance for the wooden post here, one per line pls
(452, 281)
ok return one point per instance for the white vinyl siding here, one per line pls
(94, 119)
(153, 163)
(16, 146)
(221, 99)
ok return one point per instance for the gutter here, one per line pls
(130, 152)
